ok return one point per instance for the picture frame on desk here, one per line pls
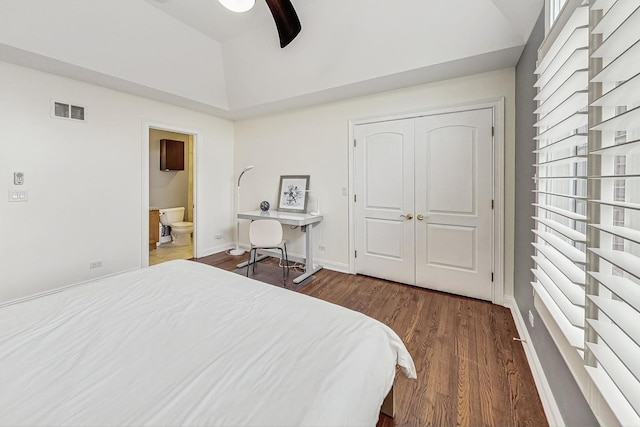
(292, 195)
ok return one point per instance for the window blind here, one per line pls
(613, 298)
(587, 224)
(561, 177)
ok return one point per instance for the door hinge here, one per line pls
(355, 254)
(492, 277)
(493, 131)
(354, 143)
(355, 198)
(492, 204)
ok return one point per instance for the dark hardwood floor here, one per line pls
(470, 370)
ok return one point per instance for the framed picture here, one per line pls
(292, 196)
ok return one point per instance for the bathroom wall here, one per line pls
(168, 189)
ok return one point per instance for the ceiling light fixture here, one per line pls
(238, 5)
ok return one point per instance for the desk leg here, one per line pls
(310, 267)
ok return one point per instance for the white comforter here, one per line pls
(183, 343)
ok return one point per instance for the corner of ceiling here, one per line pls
(522, 15)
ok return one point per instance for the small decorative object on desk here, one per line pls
(264, 206)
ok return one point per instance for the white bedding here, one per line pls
(183, 343)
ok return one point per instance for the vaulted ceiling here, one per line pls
(197, 54)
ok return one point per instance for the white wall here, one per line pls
(85, 180)
(315, 141)
(115, 42)
(167, 189)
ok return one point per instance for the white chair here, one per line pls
(267, 234)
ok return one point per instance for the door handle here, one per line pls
(420, 217)
(407, 216)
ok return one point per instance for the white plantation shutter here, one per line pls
(613, 315)
(587, 222)
(561, 177)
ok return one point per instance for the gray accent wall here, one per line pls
(571, 403)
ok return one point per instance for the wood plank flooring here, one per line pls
(470, 370)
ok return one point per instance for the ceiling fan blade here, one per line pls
(286, 18)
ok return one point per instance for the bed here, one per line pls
(183, 343)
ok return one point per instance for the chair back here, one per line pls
(265, 233)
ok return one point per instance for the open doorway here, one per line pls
(171, 196)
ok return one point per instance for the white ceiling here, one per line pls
(197, 54)
(212, 19)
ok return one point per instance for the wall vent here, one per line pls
(64, 110)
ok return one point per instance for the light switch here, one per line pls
(18, 196)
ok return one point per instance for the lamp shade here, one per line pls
(238, 5)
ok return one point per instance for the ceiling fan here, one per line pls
(284, 15)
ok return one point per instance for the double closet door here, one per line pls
(424, 201)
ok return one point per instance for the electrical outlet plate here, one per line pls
(95, 264)
(18, 178)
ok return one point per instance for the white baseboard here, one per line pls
(549, 404)
(329, 265)
(334, 266)
(216, 249)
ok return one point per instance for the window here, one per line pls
(587, 233)
(555, 6)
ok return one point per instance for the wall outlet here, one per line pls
(218, 236)
(322, 247)
(531, 318)
(18, 178)
(95, 264)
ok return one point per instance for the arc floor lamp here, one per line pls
(237, 250)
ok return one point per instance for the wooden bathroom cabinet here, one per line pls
(171, 155)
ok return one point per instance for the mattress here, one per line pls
(183, 343)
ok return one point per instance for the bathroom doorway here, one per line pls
(171, 196)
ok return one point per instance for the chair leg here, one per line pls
(249, 261)
(286, 256)
(284, 276)
(255, 260)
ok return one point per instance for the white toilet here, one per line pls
(180, 230)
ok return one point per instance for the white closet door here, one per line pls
(453, 202)
(384, 181)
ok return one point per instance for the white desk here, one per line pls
(289, 218)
